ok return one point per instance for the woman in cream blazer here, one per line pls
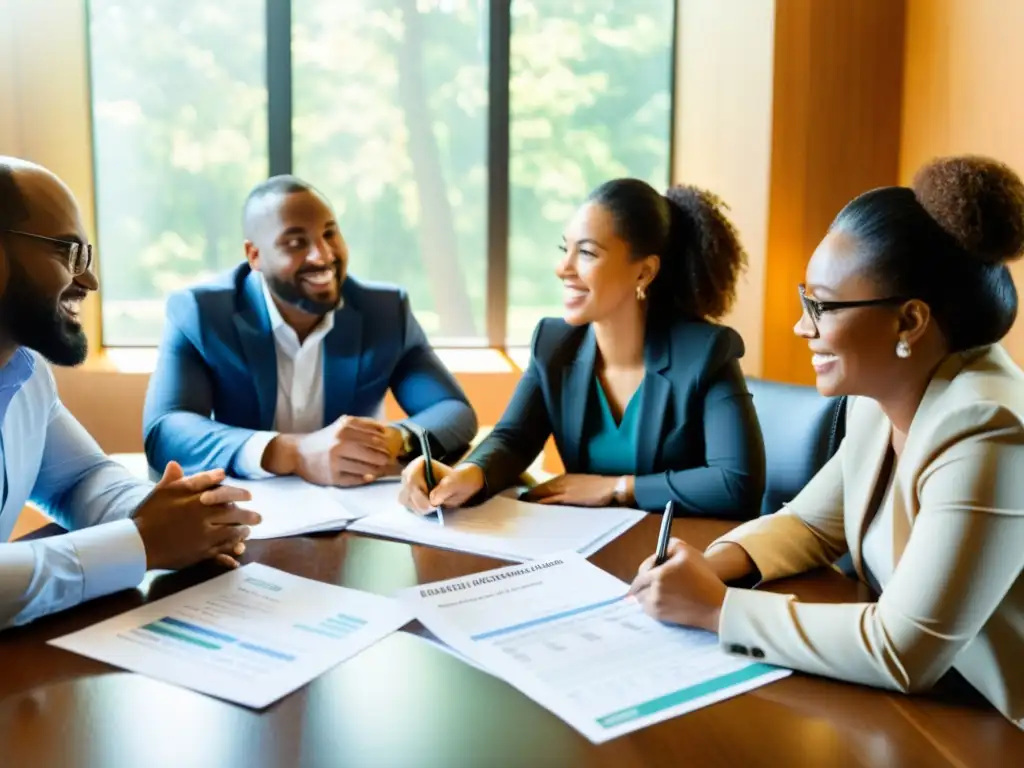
(905, 301)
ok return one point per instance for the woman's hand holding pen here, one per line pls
(684, 590)
(455, 486)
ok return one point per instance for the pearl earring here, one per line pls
(641, 293)
(903, 348)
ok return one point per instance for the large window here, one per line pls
(590, 99)
(180, 134)
(390, 121)
(400, 111)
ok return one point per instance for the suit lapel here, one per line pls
(577, 383)
(343, 348)
(917, 446)
(653, 399)
(257, 340)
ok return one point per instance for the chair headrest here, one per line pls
(802, 430)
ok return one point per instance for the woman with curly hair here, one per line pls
(905, 303)
(641, 389)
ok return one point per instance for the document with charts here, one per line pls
(249, 636)
(502, 527)
(563, 632)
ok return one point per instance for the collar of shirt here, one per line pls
(287, 338)
(14, 376)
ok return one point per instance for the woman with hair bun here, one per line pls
(641, 389)
(905, 303)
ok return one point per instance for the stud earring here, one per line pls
(903, 348)
(641, 293)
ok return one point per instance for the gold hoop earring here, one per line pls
(641, 293)
(903, 348)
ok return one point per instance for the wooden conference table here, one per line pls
(405, 702)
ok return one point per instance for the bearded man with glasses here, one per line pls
(119, 526)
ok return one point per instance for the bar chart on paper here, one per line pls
(250, 636)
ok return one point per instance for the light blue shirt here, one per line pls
(49, 459)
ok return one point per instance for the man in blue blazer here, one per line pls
(280, 367)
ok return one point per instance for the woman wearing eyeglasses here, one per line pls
(905, 303)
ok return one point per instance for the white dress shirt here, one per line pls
(48, 457)
(877, 547)
(300, 387)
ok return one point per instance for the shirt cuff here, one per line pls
(249, 461)
(112, 557)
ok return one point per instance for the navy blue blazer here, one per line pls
(215, 382)
(699, 441)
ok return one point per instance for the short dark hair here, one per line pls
(701, 255)
(13, 205)
(283, 184)
(946, 241)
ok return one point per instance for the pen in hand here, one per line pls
(428, 463)
(661, 550)
(661, 553)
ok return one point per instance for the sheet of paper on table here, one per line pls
(251, 636)
(564, 633)
(290, 506)
(502, 527)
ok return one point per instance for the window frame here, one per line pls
(280, 145)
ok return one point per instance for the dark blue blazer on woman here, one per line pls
(699, 443)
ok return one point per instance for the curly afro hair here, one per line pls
(977, 200)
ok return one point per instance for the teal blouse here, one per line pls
(610, 448)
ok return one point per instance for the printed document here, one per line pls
(290, 506)
(504, 528)
(563, 632)
(250, 636)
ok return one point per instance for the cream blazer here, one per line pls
(956, 596)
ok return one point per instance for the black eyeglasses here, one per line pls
(815, 308)
(77, 255)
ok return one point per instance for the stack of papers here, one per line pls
(505, 528)
(250, 636)
(502, 527)
(564, 632)
(290, 506)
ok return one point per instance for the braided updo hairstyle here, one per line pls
(946, 240)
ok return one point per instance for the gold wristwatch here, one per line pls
(409, 443)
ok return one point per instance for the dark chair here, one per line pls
(802, 430)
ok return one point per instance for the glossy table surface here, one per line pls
(405, 702)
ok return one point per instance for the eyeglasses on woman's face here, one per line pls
(815, 308)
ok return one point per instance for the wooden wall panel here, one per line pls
(835, 133)
(722, 132)
(962, 91)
